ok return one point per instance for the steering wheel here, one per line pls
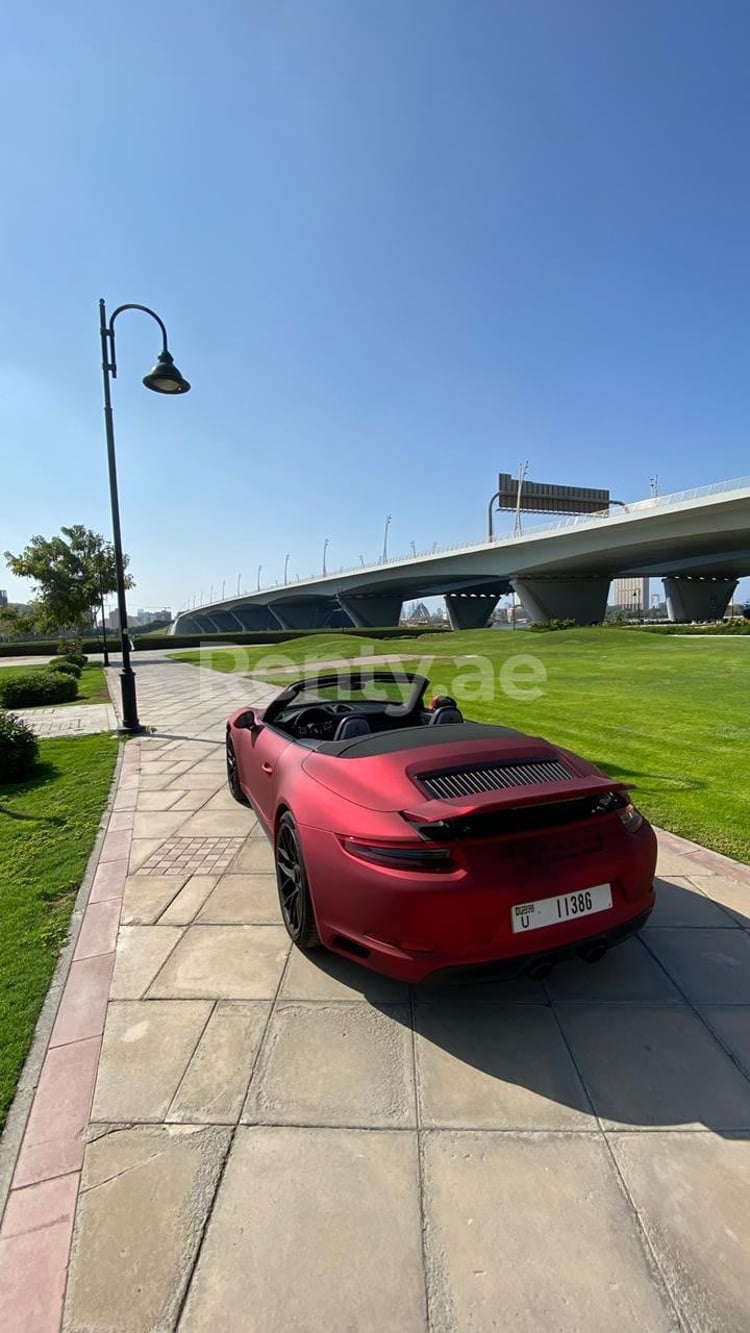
(313, 722)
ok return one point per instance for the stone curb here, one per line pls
(18, 1115)
(43, 1145)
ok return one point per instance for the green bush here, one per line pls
(77, 659)
(67, 668)
(19, 748)
(34, 688)
(547, 626)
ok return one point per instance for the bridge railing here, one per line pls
(653, 502)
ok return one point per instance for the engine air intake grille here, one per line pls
(494, 777)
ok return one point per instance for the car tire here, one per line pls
(294, 891)
(233, 777)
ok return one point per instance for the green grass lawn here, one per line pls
(670, 714)
(92, 686)
(47, 830)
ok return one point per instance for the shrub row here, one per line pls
(142, 642)
(32, 688)
(723, 627)
(19, 748)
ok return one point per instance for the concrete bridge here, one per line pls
(698, 541)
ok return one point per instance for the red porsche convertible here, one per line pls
(425, 845)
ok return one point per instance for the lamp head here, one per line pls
(165, 377)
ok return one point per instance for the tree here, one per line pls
(14, 622)
(69, 572)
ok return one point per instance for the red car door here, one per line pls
(260, 753)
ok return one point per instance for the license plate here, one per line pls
(555, 911)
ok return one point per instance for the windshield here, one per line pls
(397, 689)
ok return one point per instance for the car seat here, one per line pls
(349, 727)
(441, 716)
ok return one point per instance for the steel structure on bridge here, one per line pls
(698, 541)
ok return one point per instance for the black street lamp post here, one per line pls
(163, 378)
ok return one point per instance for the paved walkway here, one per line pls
(242, 1139)
(69, 720)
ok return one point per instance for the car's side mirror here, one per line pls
(247, 721)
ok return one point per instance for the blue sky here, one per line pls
(400, 245)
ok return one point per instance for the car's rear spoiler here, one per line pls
(546, 793)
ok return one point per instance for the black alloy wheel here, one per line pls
(294, 893)
(233, 777)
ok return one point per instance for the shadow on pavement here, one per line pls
(654, 1035)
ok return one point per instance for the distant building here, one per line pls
(149, 617)
(630, 595)
(3, 597)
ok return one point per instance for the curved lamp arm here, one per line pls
(108, 330)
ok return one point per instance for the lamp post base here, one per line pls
(130, 722)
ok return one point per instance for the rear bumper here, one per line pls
(506, 969)
(460, 923)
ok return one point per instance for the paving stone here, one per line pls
(731, 894)
(155, 782)
(141, 850)
(192, 800)
(53, 1142)
(670, 863)
(692, 1192)
(224, 800)
(157, 800)
(147, 1047)
(627, 972)
(647, 1067)
(146, 1192)
(520, 990)
(99, 929)
(335, 1064)
(256, 856)
(313, 1230)
(732, 1023)
(192, 781)
(147, 896)
(199, 855)
(121, 820)
(34, 1247)
(84, 1000)
(185, 907)
(496, 1068)
(141, 951)
(109, 881)
(679, 903)
(534, 1232)
(321, 975)
(221, 823)
(125, 799)
(157, 824)
(248, 898)
(224, 963)
(710, 966)
(215, 1083)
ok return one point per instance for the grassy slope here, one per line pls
(92, 686)
(47, 830)
(668, 713)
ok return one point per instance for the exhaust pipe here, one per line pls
(594, 952)
(538, 971)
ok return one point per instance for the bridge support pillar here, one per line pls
(307, 613)
(373, 612)
(696, 598)
(583, 600)
(470, 610)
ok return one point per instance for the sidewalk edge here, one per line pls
(18, 1115)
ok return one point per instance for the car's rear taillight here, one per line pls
(400, 857)
(631, 818)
